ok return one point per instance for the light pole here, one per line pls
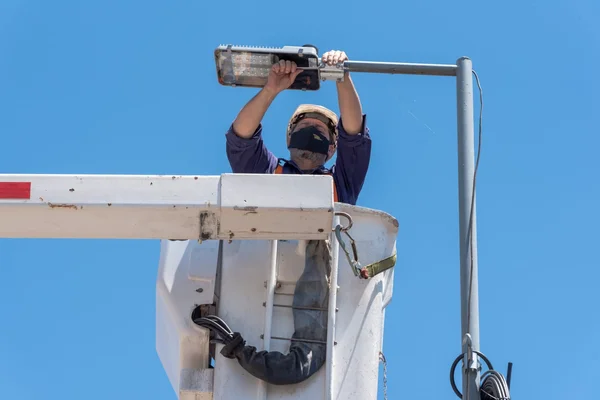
(469, 294)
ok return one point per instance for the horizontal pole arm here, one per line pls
(400, 68)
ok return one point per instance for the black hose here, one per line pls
(308, 347)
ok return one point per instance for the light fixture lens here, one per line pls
(245, 68)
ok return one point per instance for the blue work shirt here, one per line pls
(251, 156)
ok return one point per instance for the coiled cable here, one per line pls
(493, 386)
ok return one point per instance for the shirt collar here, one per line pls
(319, 170)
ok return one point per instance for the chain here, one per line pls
(382, 358)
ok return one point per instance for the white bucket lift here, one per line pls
(235, 255)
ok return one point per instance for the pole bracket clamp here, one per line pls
(470, 362)
(332, 72)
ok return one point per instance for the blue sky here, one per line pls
(105, 87)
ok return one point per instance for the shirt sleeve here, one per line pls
(249, 156)
(352, 162)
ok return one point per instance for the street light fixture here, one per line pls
(249, 66)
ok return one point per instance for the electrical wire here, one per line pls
(470, 228)
(494, 385)
(220, 331)
(471, 213)
(472, 210)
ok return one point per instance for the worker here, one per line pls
(314, 133)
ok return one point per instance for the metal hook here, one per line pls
(348, 217)
(354, 263)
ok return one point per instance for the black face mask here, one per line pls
(310, 139)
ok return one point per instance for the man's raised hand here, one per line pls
(334, 57)
(282, 75)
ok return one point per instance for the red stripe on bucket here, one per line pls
(15, 190)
